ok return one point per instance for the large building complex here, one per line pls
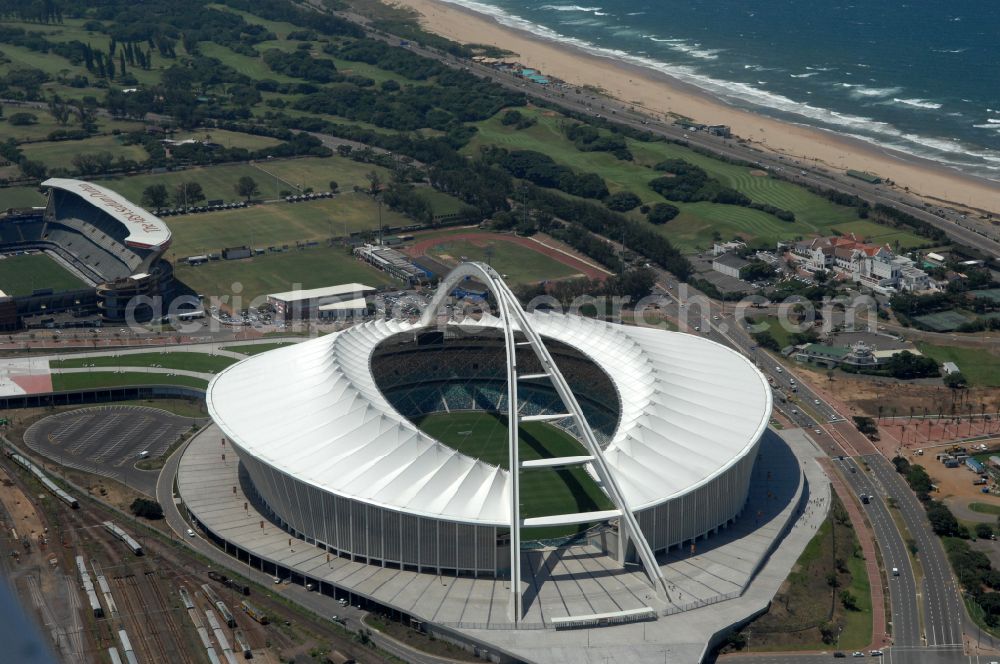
(872, 266)
(112, 246)
(669, 426)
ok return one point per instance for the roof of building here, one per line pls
(145, 229)
(950, 367)
(829, 351)
(345, 305)
(731, 260)
(314, 410)
(326, 291)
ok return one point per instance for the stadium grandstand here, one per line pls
(112, 246)
(642, 440)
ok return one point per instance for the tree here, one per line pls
(22, 119)
(155, 196)
(956, 381)
(849, 601)
(622, 201)
(188, 193)
(247, 187)
(334, 186)
(374, 182)
(147, 509)
(984, 531)
(661, 213)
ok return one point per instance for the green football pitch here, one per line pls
(544, 491)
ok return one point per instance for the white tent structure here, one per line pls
(334, 462)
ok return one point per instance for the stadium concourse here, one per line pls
(316, 470)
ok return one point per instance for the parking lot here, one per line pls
(107, 440)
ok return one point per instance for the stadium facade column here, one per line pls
(512, 314)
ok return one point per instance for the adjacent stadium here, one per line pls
(388, 443)
(88, 252)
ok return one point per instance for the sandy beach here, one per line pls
(659, 94)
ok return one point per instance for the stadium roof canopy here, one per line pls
(145, 229)
(691, 409)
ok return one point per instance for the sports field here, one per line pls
(262, 226)
(521, 266)
(20, 275)
(12, 197)
(944, 321)
(543, 491)
(254, 349)
(274, 273)
(272, 176)
(59, 154)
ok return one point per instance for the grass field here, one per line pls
(20, 197)
(440, 202)
(519, 264)
(274, 273)
(185, 361)
(47, 124)
(89, 380)
(20, 275)
(254, 349)
(694, 227)
(219, 181)
(273, 224)
(979, 366)
(985, 508)
(544, 491)
(59, 154)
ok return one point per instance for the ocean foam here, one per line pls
(571, 8)
(918, 103)
(806, 75)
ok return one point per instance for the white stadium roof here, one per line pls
(691, 409)
(145, 229)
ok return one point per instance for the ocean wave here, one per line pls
(695, 50)
(570, 8)
(806, 75)
(918, 103)
(864, 128)
(861, 92)
(994, 127)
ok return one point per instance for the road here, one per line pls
(906, 629)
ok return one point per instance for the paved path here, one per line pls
(867, 539)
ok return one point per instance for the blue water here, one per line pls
(921, 76)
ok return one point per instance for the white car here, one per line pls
(816, 401)
(190, 533)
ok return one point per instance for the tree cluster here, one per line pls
(588, 138)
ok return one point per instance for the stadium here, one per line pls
(92, 250)
(391, 443)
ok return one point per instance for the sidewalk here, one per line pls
(867, 540)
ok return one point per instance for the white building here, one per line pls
(343, 301)
(873, 266)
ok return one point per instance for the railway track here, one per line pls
(132, 621)
(178, 653)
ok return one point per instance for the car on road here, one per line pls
(190, 532)
(857, 653)
(818, 431)
(839, 654)
(816, 401)
(875, 653)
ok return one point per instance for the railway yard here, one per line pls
(106, 588)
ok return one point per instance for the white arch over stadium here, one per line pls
(511, 315)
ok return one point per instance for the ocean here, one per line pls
(921, 77)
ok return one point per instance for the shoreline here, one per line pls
(659, 94)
